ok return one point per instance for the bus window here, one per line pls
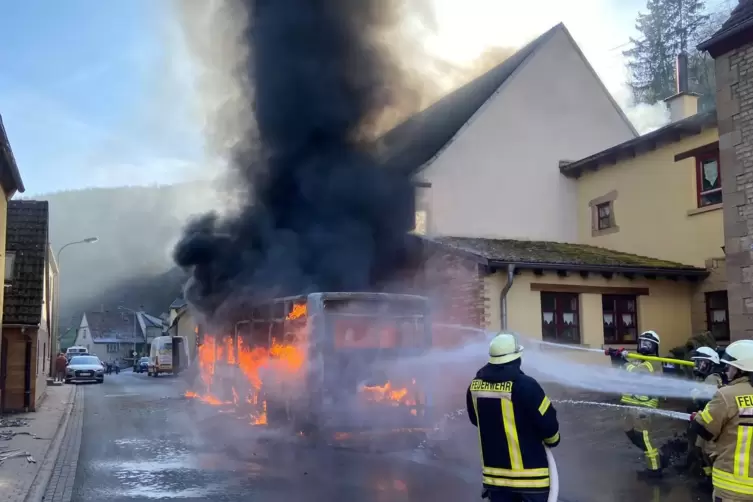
(411, 333)
(260, 333)
(364, 333)
(277, 330)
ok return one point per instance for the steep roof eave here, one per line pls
(539, 43)
(10, 160)
(669, 134)
(414, 143)
(603, 87)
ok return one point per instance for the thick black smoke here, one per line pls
(321, 214)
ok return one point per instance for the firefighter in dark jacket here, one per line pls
(515, 421)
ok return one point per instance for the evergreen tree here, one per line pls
(666, 29)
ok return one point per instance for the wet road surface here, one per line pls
(142, 440)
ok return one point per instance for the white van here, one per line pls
(168, 354)
(76, 351)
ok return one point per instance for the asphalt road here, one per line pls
(142, 440)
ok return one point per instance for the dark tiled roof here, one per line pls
(112, 325)
(9, 174)
(736, 31)
(27, 237)
(670, 133)
(178, 303)
(542, 254)
(150, 320)
(413, 143)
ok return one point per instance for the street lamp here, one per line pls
(56, 330)
(88, 240)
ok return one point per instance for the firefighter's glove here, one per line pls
(692, 416)
(616, 354)
(485, 494)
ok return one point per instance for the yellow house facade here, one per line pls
(660, 195)
(649, 254)
(580, 294)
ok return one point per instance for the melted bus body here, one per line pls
(347, 342)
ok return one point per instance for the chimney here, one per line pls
(684, 103)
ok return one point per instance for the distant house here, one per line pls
(485, 157)
(30, 279)
(183, 323)
(116, 335)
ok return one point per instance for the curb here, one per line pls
(42, 479)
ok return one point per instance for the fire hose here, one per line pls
(634, 355)
(554, 479)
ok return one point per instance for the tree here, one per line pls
(667, 28)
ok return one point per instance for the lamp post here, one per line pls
(56, 299)
(88, 240)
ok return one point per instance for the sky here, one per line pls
(92, 94)
(101, 93)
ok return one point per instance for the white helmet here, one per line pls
(706, 354)
(504, 348)
(740, 355)
(648, 343)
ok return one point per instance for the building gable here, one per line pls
(553, 107)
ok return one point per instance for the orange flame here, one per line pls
(232, 352)
(386, 392)
(299, 310)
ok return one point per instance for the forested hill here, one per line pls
(131, 264)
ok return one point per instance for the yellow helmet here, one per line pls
(740, 355)
(504, 348)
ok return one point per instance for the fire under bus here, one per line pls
(317, 363)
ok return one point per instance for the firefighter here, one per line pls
(707, 368)
(515, 420)
(637, 422)
(727, 420)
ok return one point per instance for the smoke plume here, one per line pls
(318, 212)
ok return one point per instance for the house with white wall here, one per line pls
(486, 157)
(116, 335)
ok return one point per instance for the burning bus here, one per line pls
(318, 362)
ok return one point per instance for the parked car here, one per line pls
(85, 369)
(143, 365)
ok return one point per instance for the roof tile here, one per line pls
(556, 253)
(26, 237)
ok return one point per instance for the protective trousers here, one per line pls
(637, 426)
(505, 496)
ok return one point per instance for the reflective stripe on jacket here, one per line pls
(728, 421)
(634, 399)
(515, 419)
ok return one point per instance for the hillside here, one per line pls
(131, 264)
